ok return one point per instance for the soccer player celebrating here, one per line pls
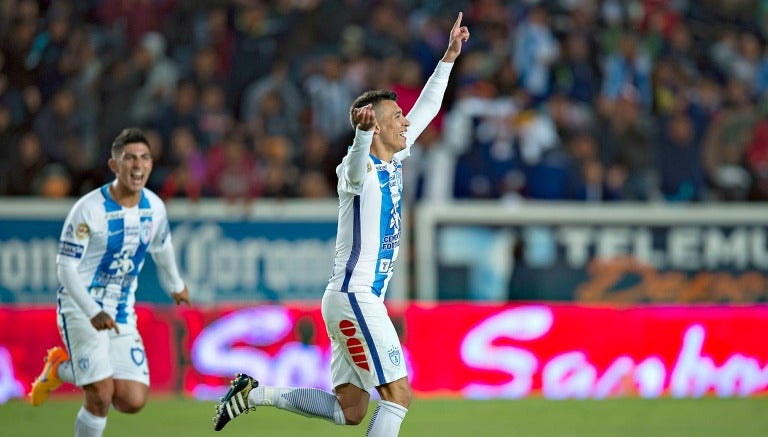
(365, 346)
(104, 241)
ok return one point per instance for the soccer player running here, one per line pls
(104, 241)
(366, 351)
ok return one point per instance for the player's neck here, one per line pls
(123, 196)
(381, 152)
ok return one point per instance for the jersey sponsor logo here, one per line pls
(82, 231)
(71, 250)
(117, 232)
(107, 294)
(103, 279)
(115, 215)
(385, 265)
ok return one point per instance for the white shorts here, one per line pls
(366, 350)
(98, 355)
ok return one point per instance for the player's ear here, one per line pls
(112, 165)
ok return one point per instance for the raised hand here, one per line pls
(459, 35)
(364, 118)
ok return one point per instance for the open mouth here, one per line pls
(137, 177)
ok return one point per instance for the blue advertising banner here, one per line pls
(242, 260)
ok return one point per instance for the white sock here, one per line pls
(386, 419)
(65, 373)
(309, 402)
(88, 425)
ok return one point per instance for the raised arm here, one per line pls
(431, 98)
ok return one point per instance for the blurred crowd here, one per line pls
(593, 100)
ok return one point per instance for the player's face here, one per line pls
(132, 166)
(392, 125)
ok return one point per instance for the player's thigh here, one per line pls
(88, 348)
(365, 346)
(131, 370)
(128, 356)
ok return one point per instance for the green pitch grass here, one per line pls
(170, 417)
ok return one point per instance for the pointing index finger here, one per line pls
(457, 24)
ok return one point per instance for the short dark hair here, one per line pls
(128, 136)
(371, 97)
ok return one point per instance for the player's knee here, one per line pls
(400, 394)
(98, 399)
(98, 406)
(129, 403)
(402, 398)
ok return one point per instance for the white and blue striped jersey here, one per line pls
(369, 227)
(107, 243)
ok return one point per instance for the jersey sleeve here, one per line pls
(354, 166)
(427, 105)
(162, 251)
(75, 236)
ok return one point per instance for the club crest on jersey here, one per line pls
(394, 355)
(83, 364)
(368, 167)
(82, 231)
(146, 231)
(137, 355)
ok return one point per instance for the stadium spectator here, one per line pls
(182, 113)
(215, 118)
(61, 132)
(232, 170)
(279, 175)
(726, 142)
(29, 163)
(329, 96)
(681, 178)
(535, 51)
(158, 77)
(279, 82)
(133, 19)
